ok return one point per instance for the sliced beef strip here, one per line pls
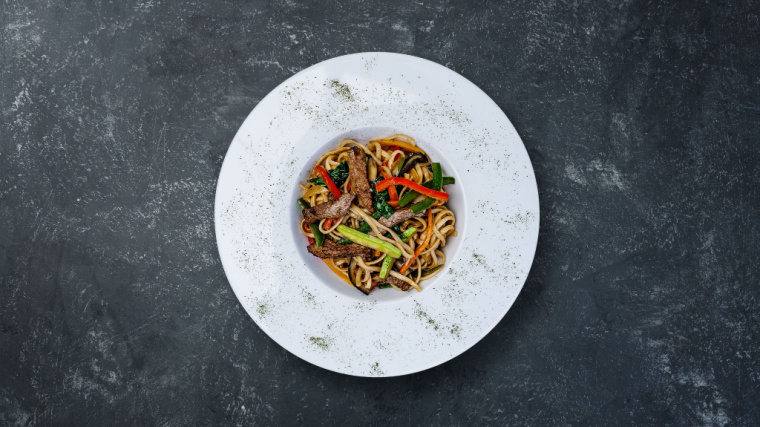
(330, 249)
(357, 166)
(330, 209)
(393, 280)
(398, 217)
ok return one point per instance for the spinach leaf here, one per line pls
(338, 175)
(364, 227)
(382, 208)
(396, 229)
(344, 241)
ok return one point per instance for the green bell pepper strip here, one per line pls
(423, 205)
(369, 241)
(437, 176)
(411, 194)
(387, 263)
(319, 238)
(437, 183)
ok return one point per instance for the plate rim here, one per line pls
(484, 330)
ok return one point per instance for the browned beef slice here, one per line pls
(330, 249)
(398, 217)
(357, 166)
(331, 209)
(396, 282)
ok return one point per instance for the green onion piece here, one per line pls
(408, 233)
(437, 177)
(431, 270)
(385, 286)
(319, 238)
(400, 166)
(369, 241)
(411, 194)
(303, 204)
(387, 263)
(423, 205)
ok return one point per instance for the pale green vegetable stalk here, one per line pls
(369, 241)
(386, 268)
(408, 233)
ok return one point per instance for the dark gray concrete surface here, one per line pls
(642, 120)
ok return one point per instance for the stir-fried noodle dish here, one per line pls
(377, 214)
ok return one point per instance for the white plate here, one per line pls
(292, 295)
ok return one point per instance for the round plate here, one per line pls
(292, 295)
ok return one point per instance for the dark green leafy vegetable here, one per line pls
(396, 229)
(364, 227)
(338, 175)
(384, 286)
(411, 194)
(344, 241)
(382, 208)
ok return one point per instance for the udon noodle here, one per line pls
(385, 158)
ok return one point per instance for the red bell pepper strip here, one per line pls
(326, 178)
(438, 195)
(392, 194)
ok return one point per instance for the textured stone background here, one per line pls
(642, 120)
